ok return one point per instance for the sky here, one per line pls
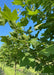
(4, 30)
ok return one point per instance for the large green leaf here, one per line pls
(48, 51)
(7, 14)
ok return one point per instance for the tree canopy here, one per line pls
(24, 48)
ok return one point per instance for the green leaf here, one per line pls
(14, 15)
(48, 51)
(32, 12)
(18, 2)
(7, 14)
(37, 26)
(34, 42)
(25, 37)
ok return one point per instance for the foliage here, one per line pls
(21, 45)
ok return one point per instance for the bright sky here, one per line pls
(4, 30)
